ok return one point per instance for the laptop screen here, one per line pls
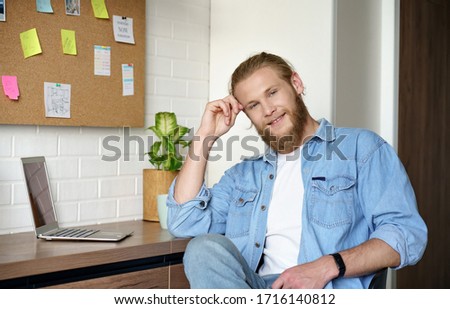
(37, 182)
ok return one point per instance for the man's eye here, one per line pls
(271, 93)
(252, 106)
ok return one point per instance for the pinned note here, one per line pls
(127, 79)
(123, 29)
(99, 8)
(10, 87)
(2, 10)
(57, 100)
(30, 43)
(68, 42)
(73, 7)
(44, 6)
(102, 60)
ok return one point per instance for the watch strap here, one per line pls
(339, 263)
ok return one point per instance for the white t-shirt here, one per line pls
(284, 220)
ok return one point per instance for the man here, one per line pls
(324, 207)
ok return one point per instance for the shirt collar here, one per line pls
(325, 131)
(270, 155)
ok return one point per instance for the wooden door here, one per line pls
(424, 131)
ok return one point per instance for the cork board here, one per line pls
(95, 100)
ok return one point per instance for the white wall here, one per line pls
(85, 188)
(366, 65)
(358, 63)
(302, 31)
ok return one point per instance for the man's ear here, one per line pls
(297, 83)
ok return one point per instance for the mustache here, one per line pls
(274, 119)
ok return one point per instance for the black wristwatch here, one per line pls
(339, 263)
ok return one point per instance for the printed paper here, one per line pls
(102, 60)
(127, 79)
(73, 7)
(10, 87)
(57, 100)
(123, 29)
(2, 10)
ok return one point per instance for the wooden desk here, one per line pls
(150, 258)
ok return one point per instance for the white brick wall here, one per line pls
(86, 189)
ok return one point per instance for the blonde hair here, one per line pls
(258, 61)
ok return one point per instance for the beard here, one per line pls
(292, 139)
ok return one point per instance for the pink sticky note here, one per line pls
(10, 87)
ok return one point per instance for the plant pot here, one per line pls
(155, 182)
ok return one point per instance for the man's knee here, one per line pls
(207, 246)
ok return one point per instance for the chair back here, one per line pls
(379, 280)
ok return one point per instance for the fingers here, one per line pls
(228, 106)
(277, 284)
(235, 105)
(235, 108)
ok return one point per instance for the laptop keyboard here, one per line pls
(76, 233)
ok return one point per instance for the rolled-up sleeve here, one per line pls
(205, 213)
(389, 200)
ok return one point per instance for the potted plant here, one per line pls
(165, 156)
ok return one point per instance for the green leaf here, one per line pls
(171, 149)
(180, 131)
(172, 163)
(165, 123)
(184, 143)
(155, 148)
(156, 131)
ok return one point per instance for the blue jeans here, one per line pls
(212, 261)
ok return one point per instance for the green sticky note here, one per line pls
(30, 43)
(99, 8)
(68, 42)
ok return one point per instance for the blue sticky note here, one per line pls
(44, 6)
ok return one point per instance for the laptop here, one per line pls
(44, 211)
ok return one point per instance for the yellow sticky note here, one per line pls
(99, 8)
(68, 42)
(30, 43)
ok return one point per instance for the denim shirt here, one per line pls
(355, 189)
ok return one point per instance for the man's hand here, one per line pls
(364, 259)
(219, 117)
(313, 275)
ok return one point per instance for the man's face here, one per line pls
(275, 107)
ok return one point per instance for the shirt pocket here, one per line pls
(240, 212)
(332, 201)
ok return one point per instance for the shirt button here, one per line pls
(271, 176)
(263, 207)
(257, 245)
(241, 200)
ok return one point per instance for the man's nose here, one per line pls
(269, 108)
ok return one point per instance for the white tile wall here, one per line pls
(87, 189)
